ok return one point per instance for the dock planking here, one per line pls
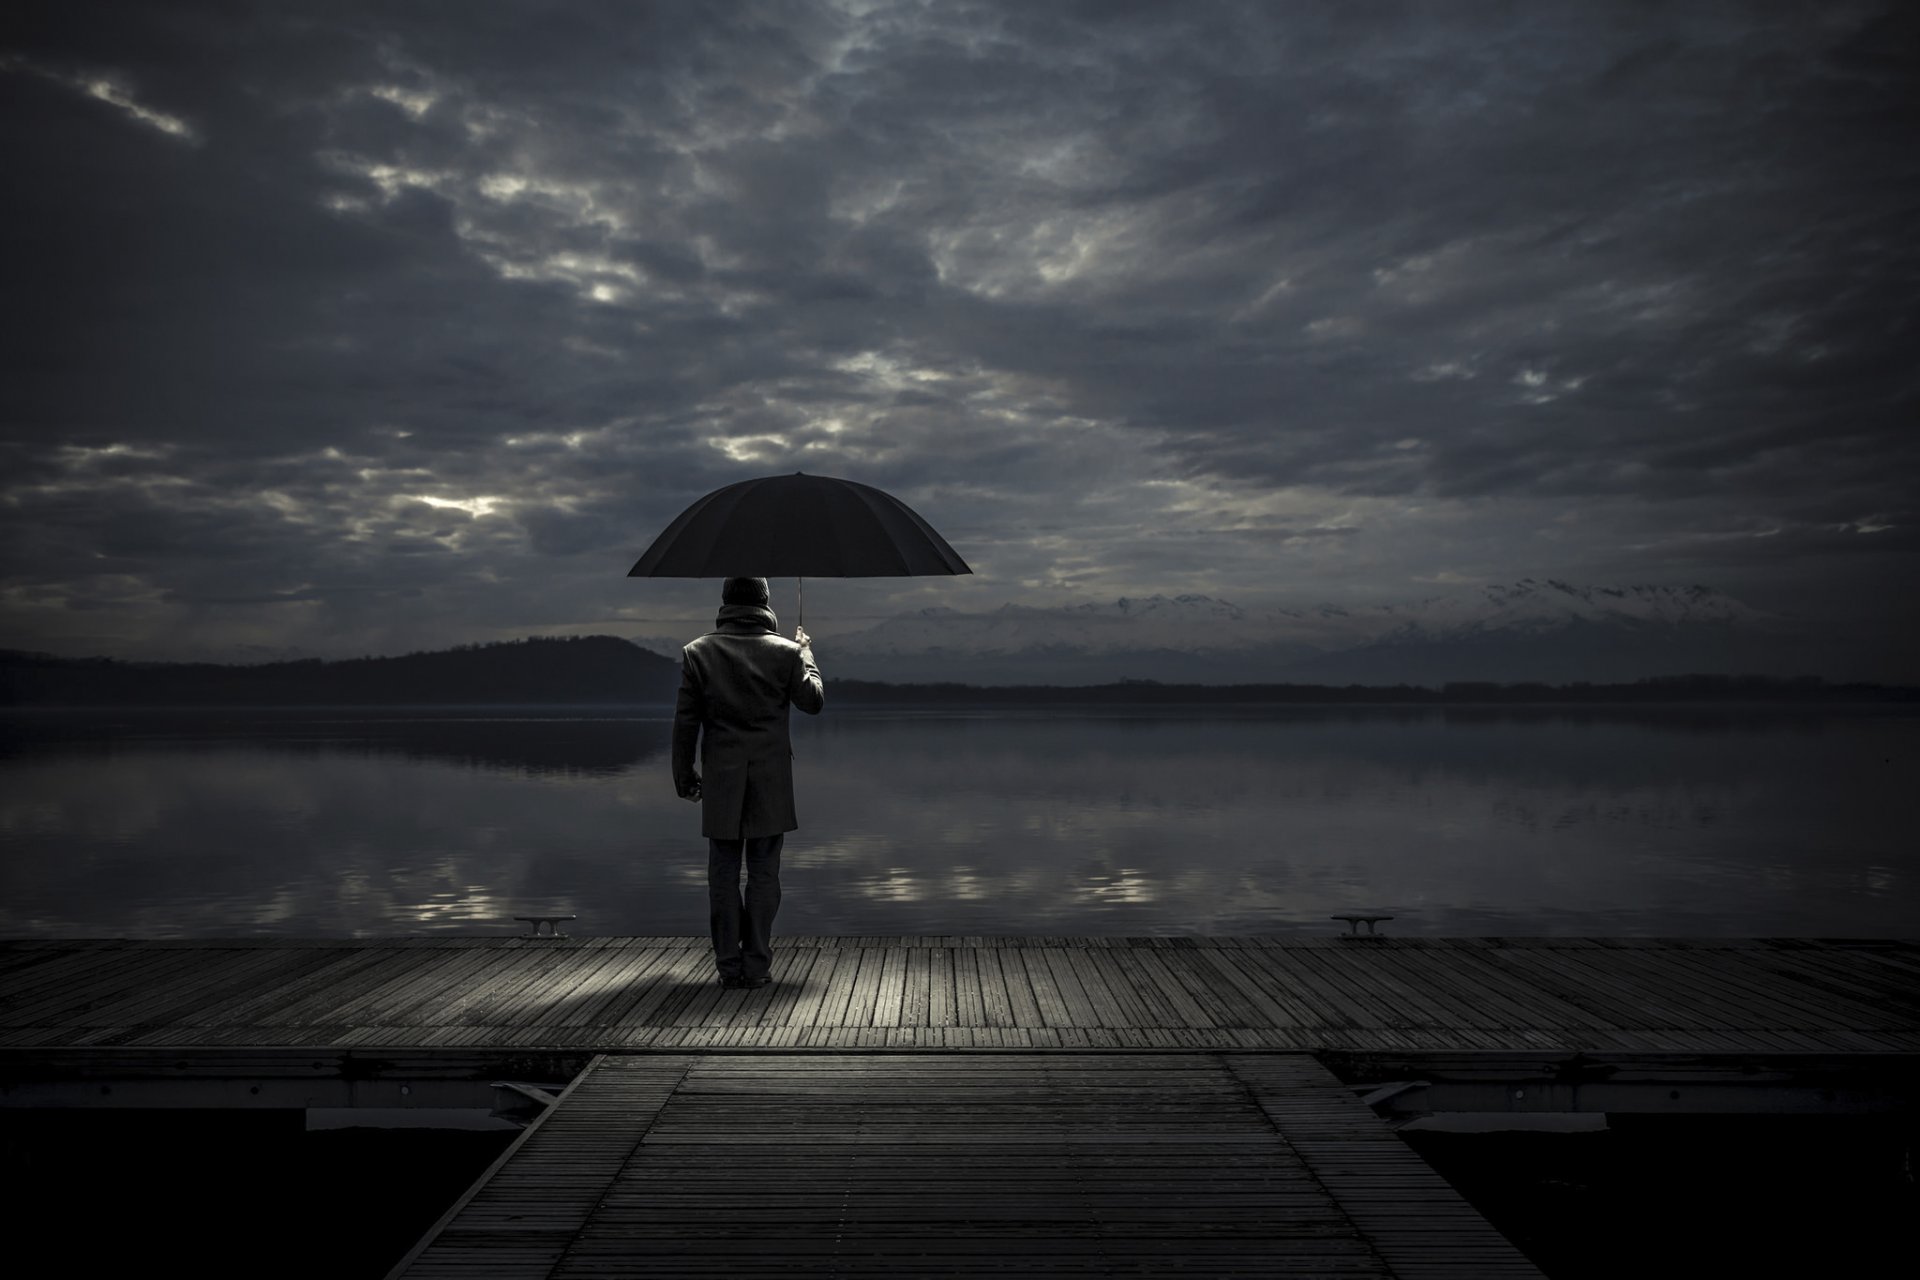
(1277, 993)
(944, 1165)
(945, 1106)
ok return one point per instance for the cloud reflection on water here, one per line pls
(1050, 822)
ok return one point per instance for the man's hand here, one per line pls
(689, 788)
(801, 638)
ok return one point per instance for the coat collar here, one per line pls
(746, 617)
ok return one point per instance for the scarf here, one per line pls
(756, 616)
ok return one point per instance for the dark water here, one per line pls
(1695, 1196)
(241, 1194)
(1051, 821)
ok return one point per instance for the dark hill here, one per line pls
(534, 670)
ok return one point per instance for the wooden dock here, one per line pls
(957, 1106)
(934, 1164)
(1290, 994)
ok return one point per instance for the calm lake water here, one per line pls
(973, 821)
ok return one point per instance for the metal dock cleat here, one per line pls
(1355, 921)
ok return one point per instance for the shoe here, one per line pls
(755, 982)
(732, 982)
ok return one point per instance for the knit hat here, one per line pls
(744, 591)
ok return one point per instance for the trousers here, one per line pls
(742, 922)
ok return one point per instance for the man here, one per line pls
(736, 683)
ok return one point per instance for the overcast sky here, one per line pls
(347, 328)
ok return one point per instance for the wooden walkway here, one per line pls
(942, 1106)
(939, 1164)
(1392, 995)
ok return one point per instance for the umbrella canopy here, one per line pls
(798, 526)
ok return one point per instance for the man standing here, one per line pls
(736, 683)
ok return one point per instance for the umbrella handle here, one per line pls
(800, 585)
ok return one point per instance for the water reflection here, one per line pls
(593, 742)
(1503, 821)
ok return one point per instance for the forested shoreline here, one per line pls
(609, 670)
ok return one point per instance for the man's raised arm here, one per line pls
(805, 689)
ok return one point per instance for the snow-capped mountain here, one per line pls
(1555, 632)
(1529, 630)
(1534, 606)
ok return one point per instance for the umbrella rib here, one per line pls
(781, 526)
(864, 511)
(882, 502)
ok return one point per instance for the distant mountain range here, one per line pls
(1541, 632)
(1531, 630)
(577, 669)
(580, 670)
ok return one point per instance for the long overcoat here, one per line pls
(736, 683)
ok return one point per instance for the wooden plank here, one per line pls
(1156, 1007)
(927, 1164)
(1060, 967)
(1478, 997)
(941, 993)
(891, 995)
(767, 1007)
(838, 991)
(331, 969)
(549, 999)
(1855, 990)
(327, 994)
(1023, 1003)
(697, 1000)
(916, 999)
(1479, 975)
(64, 976)
(464, 1000)
(209, 1002)
(663, 989)
(996, 997)
(628, 967)
(1585, 984)
(1265, 971)
(1691, 990)
(1415, 1221)
(1744, 997)
(1336, 993)
(1878, 978)
(299, 969)
(519, 1216)
(1131, 1006)
(114, 974)
(1662, 1004)
(1194, 977)
(824, 976)
(1150, 970)
(1047, 997)
(904, 993)
(1108, 1010)
(402, 990)
(866, 988)
(1264, 1009)
(969, 1009)
(210, 975)
(149, 991)
(554, 966)
(1545, 978)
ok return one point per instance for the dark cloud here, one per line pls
(358, 326)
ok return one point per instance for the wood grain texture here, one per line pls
(937, 1165)
(1674, 995)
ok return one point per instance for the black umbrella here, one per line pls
(798, 526)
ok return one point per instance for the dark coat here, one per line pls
(736, 683)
